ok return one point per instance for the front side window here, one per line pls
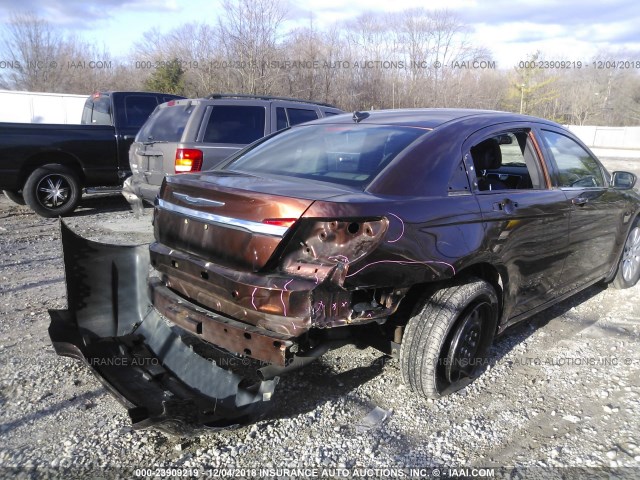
(576, 168)
(345, 154)
(235, 124)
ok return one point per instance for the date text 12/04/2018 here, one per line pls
(577, 64)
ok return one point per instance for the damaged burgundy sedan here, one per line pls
(423, 233)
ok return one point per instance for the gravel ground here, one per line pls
(563, 389)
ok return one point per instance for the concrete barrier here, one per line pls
(610, 141)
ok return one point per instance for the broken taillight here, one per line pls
(317, 246)
(280, 222)
(188, 160)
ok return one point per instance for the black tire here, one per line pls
(52, 191)
(15, 197)
(629, 266)
(446, 342)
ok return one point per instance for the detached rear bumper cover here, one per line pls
(111, 326)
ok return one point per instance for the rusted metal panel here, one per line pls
(221, 331)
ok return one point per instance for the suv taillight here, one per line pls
(188, 160)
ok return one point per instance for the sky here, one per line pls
(510, 30)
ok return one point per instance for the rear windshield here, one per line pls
(97, 111)
(166, 124)
(345, 154)
(137, 109)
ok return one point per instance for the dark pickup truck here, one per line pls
(47, 166)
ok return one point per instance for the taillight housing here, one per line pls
(280, 222)
(188, 160)
(317, 246)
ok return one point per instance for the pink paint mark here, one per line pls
(404, 262)
(253, 298)
(401, 224)
(319, 307)
(334, 306)
(284, 307)
(344, 304)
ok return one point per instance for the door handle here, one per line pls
(505, 206)
(580, 201)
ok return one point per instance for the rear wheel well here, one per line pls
(481, 271)
(48, 158)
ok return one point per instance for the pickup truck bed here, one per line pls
(47, 166)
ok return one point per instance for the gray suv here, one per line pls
(197, 134)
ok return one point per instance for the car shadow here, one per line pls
(521, 331)
(319, 384)
(86, 398)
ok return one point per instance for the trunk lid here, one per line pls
(232, 219)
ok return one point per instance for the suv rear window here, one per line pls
(235, 124)
(345, 154)
(166, 124)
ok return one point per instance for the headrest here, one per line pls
(487, 155)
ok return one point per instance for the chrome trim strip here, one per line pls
(198, 200)
(237, 223)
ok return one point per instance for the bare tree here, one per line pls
(249, 35)
(194, 47)
(35, 49)
(44, 59)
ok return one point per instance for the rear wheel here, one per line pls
(446, 343)
(52, 191)
(15, 197)
(629, 267)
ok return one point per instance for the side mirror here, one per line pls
(623, 180)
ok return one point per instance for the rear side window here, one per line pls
(166, 124)
(235, 124)
(281, 119)
(293, 116)
(137, 109)
(301, 115)
(507, 161)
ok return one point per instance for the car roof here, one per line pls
(431, 118)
